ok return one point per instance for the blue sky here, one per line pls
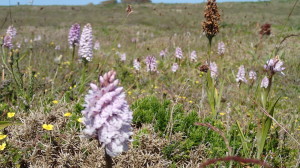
(84, 2)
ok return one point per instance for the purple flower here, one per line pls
(174, 67)
(19, 44)
(122, 57)
(221, 48)
(274, 65)
(193, 56)
(264, 82)
(37, 38)
(213, 70)
(163, 53)
(57, 47)
(134, 39)
(151, 63)
(11, 31)
(7, 41)
(136, 64)
(86, 43)
(178, 53)
(241, 75)
(252, 75)
(107, 116)
(74, 35)
(97, 45)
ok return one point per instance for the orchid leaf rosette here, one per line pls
(107, 116)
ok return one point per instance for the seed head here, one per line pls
(212, 17)
(265, 30)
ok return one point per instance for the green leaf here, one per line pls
(244, 140)
(4, 124)
(266, 125)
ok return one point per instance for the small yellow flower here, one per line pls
(48, 127)
(2, 136)
(184, 97)
(71, 87)
(54, 101)
(155, 87)
(2, 147)
(222, 114)
(10, 114)
(197, 82)
(129, 92)
(74, 86)
(190, 101)
(68, 114)
(66, 63)
(80, 120)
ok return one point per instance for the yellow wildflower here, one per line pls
(48, 127)
(2, 136)
(80, 120)
(54, 101)
(68, 114)
(222, 114)
(66, 63)
(10, 114)
(197, 82)
(190, 101)
(2, 147)
(129, 92)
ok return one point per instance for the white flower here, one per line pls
(107, 116)
(213, 70)
(86, 43)
(174, 67)
(264, 82)
(252, 75)
(97, 45)
(221, 48)
(193, 56)
(241, 75)
(122, 57)
(178, 53)
(274, 65)
(136, 64)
